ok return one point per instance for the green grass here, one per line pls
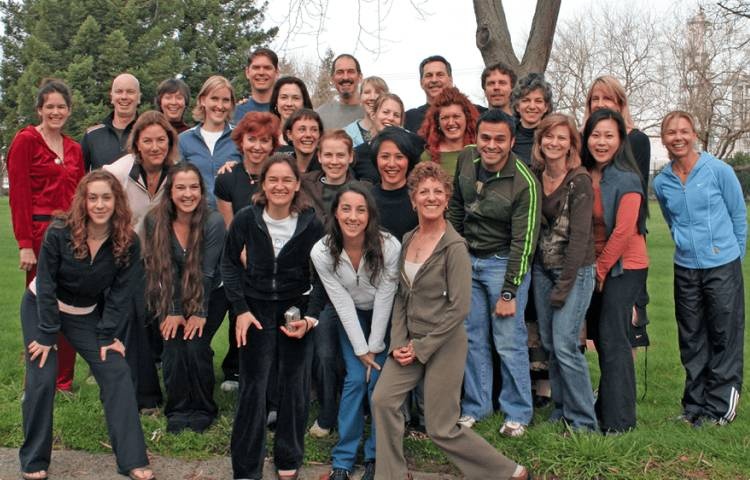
(659, 448)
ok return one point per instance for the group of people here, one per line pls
(375, 255)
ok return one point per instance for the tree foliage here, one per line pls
(88, 42)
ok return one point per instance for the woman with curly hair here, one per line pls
(449, 125)
(531, 101)
(88, 255)
(183, 245)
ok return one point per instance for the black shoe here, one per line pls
(541, 401)
(369, 473)
(176, 426)
(336, 474)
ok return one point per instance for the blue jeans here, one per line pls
(560, 329)
(510, 340)
(351, 412)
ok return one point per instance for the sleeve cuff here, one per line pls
(46, 339)
(25, 244)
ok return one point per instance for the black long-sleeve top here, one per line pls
(267, 277)
(213, 243)
(83, 283)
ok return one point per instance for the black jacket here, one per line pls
(102, 145)
(82, 283)
(266, 276)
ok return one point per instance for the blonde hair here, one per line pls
(376, 82)
(614, 87)
(553, 120)
(214, 82)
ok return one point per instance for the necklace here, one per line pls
(56, 147)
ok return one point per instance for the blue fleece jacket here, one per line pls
(193, 149)
(707, 215)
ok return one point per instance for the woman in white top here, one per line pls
(358, 266)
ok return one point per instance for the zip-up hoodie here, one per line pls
(707, 215)
(432, 309)
(267, 277)
(193, 149)
(500, 216)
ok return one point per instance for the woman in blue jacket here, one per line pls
(702, 202)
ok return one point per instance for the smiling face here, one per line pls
(290, 100)
(679, 138)
(261, 74)
(389, 113)
(335, 158)
(430, 199)
(452, 122)
(604, 141)
(346, 78)
(603, 97)
(280, 185)
(435, 79)
(532, 107)
(369, 96)
(494, 143)
(352, 215)
(54, 111)
(304, 135)
(125, 95)
(392, 166)
(217, 105)
(173, 105)
(555, 143)
(497, 88)
(256, 148)
(100, 203)
(152, 146)
(186, 192)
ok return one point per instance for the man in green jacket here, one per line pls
(496, 206)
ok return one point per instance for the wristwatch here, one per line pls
(507, 296)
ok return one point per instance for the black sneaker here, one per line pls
(369, 473)
(336, 474)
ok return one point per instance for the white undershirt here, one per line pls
(411, 269)
(211, 138)
(280, 230)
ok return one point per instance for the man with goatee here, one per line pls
(346, 76)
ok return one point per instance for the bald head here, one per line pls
(125, 96)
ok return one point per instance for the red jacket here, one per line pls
(40, 183)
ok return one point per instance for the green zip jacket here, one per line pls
(500, 216)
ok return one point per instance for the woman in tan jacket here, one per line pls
(428, 341)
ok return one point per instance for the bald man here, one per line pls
(105, 142)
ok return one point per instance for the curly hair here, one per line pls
(430, 129)
(77, 218)
(553, 120)
(526, 85)
(158, 250)
(425, 171)
(258, 124)
(372, 248)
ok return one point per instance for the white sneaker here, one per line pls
(467, 421)
(316, 431)
(230, 386)
(512, 429)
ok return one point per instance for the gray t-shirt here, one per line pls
(338, 115)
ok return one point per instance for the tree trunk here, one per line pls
(493, 36)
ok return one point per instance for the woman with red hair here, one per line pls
(449, 125)
(82, 291)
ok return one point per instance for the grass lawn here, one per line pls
(660, 448)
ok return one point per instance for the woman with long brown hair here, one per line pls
(183, 244)
(88, 253)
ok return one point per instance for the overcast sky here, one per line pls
(447, 28)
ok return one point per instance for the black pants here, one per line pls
(327, 366)
(230, 366)
(608, 322)
(710, 311)
(116, 392)
(265, 348)
(189, 372)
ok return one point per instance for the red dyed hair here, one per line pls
(77, 218)
(430, 129)
(258, 124)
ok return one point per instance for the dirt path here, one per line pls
(78, 465)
